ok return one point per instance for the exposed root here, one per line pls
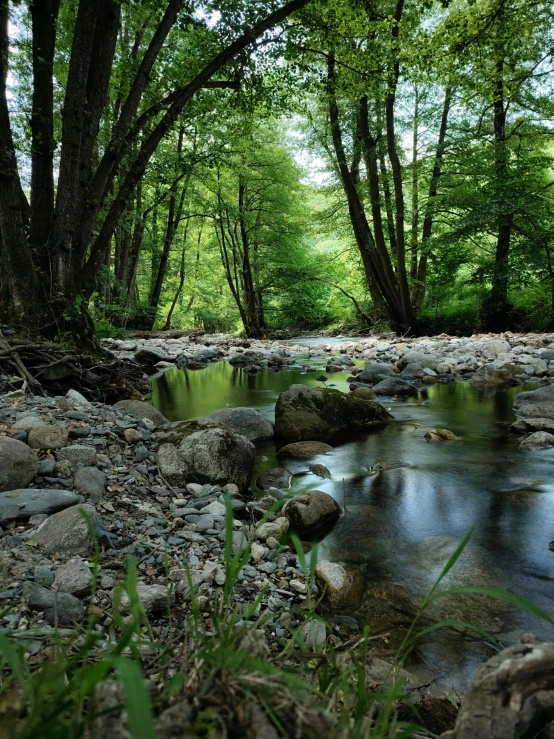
(47, 368)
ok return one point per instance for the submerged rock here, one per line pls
(440, 435)
(305, 449)
(304, 413)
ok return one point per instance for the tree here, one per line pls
(55, 244)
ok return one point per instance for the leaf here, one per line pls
(137, 700)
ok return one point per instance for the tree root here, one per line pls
(47, 368)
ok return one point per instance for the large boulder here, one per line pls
(17, 505)
(394, 386)
(139, 409)
(304, 413)
(536, 403)
(18, 464)
(215, 456)
(176, 431)
(309, 511)
(68, 532)
(246, 421)
(375, 373)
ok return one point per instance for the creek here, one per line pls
(408, 503)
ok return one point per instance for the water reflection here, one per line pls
(408, 503)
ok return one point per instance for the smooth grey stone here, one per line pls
(62, 609)
(16, 505)
(46, 467)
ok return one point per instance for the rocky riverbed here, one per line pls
(160, 491)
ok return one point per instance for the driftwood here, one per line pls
(47, 368)
(511, 695)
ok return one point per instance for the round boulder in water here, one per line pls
(311, 510)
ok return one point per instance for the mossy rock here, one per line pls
(303, 413)
(174, 433)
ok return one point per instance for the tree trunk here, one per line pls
(167, 324)
(407, 311)
(415, 195)
(496, 309)
(382, 291)
(419, 293)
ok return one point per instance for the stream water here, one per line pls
(408, 503)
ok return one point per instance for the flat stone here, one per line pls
(17, 505)
(154, 598)
(305, 449)
(79, 454)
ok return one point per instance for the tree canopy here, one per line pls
(254, 165)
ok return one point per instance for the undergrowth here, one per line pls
(214, 675)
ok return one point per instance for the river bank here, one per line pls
(120, 464)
